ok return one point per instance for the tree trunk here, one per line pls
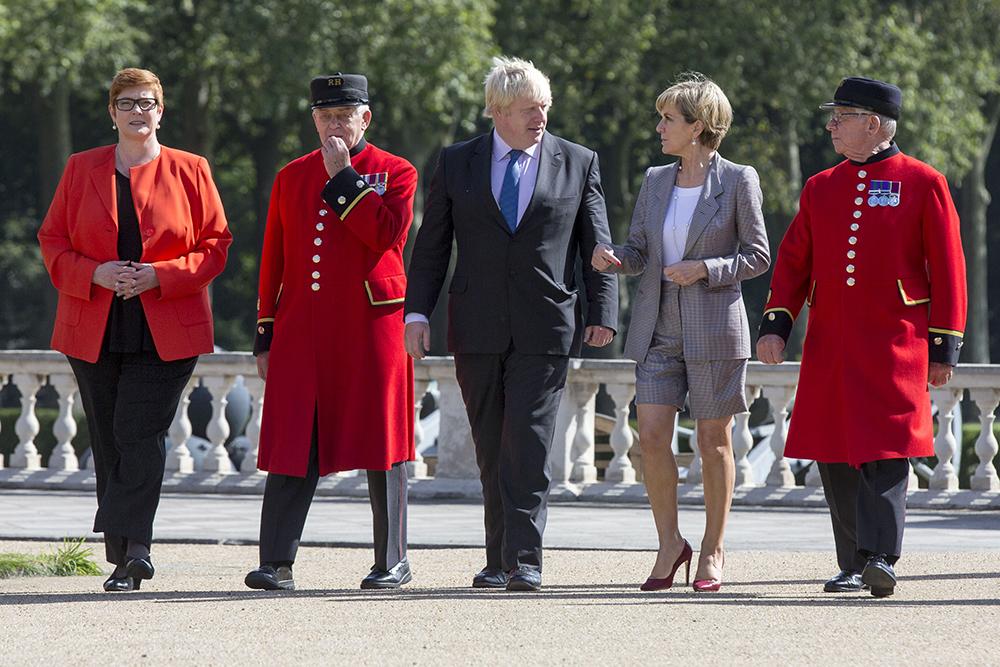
(974, 199)
(264, 149)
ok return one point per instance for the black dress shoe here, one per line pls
(121, 584)
(847, 581)
(270, 578)
(139, 568)
(490, 577)
(524, 579)
(394, 577)
(880, 576)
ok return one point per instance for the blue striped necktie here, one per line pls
(509, 190)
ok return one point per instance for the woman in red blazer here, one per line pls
(133, 237)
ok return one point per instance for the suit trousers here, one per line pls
(512, 400)
(867, 509)
(130, 401)
(287, 500)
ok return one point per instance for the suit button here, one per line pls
(853, 240)
(862, 173)
(320, 226)
(858, 201)
(850, 282)
(771, 316)
(341, 200)
(855, 227)
(315, 275)
(850, 268)
(315, 287)
(851, 254)
(861, 187)
(322, 211)
(857, 214)
(315, 259)
(938, 340)
(360, 183)
(317, 241)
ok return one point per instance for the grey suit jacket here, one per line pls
(727, 232)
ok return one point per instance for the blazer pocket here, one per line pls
(193, 309)
(811, 299)
(914, 291)
(458, 284)
(68, 310)
(386, 290)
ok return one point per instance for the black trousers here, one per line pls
(512, 400)
(287, 500)
(130, 401)
(867, 509)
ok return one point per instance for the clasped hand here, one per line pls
(686, 272)
(126, 279)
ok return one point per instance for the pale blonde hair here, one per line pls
(511, 78)
(699, 98)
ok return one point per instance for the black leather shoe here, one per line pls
(847, 581)
(524, 579)
(394, 577)
(490, 577)
(880, 576)
(121, 584)
(139, 568)
(270, 578)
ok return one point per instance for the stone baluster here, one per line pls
(694, 475)
(417, 469)
(743, 442)
(255, 387)
(63, 455)
(1, 424)
(456, 452)
(179, 456)
(944, 476)
(583, 396)
(26, 454)
(985, 477)
(779, 398)
(620, 468)
(217, 460)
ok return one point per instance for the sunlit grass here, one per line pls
(71, 559)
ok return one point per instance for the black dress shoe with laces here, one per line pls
(847, 581)
(880, 576)
(524, 578)
(490, 577)
(394, 577)
(270, 578)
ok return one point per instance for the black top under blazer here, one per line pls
(514, 287)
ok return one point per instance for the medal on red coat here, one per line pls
(377, 182)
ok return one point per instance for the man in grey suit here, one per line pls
(521, 204)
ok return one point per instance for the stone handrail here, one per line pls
(573, 452)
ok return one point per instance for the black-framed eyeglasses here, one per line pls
(837, 118)
(129, 103)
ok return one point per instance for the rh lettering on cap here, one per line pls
(335, 81)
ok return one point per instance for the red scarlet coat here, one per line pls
(875, 252)
(332, 285)
(184, 236)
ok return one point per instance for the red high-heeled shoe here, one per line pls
(668, 581)
(708, 585)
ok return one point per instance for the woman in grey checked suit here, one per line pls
(697, 231)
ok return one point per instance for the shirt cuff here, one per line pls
(416, 317)
(777, 321)
(344, 191)
(944, 346)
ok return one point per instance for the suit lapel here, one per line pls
(103, 178)
(707, 205)
(660, 190)
(550, 158)
(480, 166)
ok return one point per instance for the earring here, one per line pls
(157, 126)
(113, 126)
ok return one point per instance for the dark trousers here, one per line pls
(130, 401)
(287, 500)
(867, 509)
(512, 400)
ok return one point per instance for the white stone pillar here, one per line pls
(944, 476)
(26, 454)
(456, 452)
(620, 468)
(417, 469)
(563, 434)
(1, 425)
(217, 460)
(584, 396)
(255, 387)
(743, 441)
(779, 398)
(694, 475)
(985, 477)
(179, 456)
(63, 456)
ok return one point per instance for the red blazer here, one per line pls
(185, 238)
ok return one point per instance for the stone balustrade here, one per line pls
(573, 466)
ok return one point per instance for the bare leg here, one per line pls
(719, 477)
(659, 472)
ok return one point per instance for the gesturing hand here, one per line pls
(336, 155)
(604, 257)
(686, 272)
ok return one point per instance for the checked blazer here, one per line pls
(727, 232)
